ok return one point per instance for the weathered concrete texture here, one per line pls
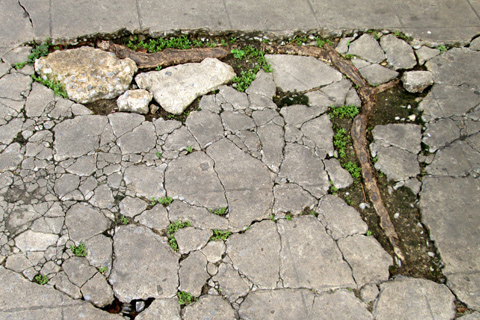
(456, 67)
(297, 73)
(247, 182)
(375, 74)
(230, 283)
(319, 131)
(340, 219)
(262, 85)
(205, 126)
(261, 262)
(399, 53)
(471, 316)
(140, 139)
(309, 256)
(340, 177)
(135, 181)
(190, 239)
(174, 88)
(417, 81)
(298, 114)
(459, 159)
(291, 198)
(439, 198)
(84, 79)
(366, 47)
(193, 273)
(442, 102)
(185, 174)
(47, 303)
(209, 307)
(425, 53)
(155, 263)
(419, 299)
(272, 140)
(299, 165)
(84, 221)
(161, 309)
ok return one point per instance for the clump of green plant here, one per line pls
(219, 212)
(348, 56)
(102, 270)
(123, 220)
(288, 217)
(38, 51)
(189, 149)
(220, 235)
(79, 250)
(159, 155)
(185, 298)
(354, 170)
(369, 233)
(57, 87)
(321, 42)
(155, 45)
(172, 228)
(41, 279)
(341, 140)
(442, 48)
(333, 190)
(347, 111)
(272, 217)
(247, 76)
(299, 40)
(165, 201)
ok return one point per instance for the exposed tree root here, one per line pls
(164, 58)
(368, 95)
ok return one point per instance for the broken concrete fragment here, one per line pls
(135, 101)
(417, 81)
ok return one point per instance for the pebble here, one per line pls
(396, 215)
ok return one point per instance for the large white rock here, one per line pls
(88, 74)
(174, 88)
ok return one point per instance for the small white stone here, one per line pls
(396, 215)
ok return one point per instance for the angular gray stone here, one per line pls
(340, 177)
(9, 131)
(78, 270)
(48, 303)
(440, 133)
(319, 131)
(417, 81)
(369, 261)
(238, 100)
(180, 139)
(234, 121)
(99, 251)
(440, 196)
(205, 126)
(193, 273)
(140, 139)
(366, 47)
(209, 103)
(322, 268)
(199, 217)
(336, 92)
(456, 67)
(291, 198)
(339, 218)
(262, 85)
(342, 46)
(297, 73)
(298, 114)
(66, 184)
(15, 86)
(174, 88)
(78, 136)
(135, 101)
(399, 53)
(341, 304)
(396, 163)
(259, 262)
(155, 218)
(98, 291)
(18, 262)
(131, 207)
(471, 316)
(375, 74)
(190, 239)
(230, 283)
(193, 178)
(458, 159)
(61, 283)
(420, 299)
(475, 44)
(369, 293)
(103, 197)
(272, 139)
(87, 74)
(209, 307)
(35, 241)
(11, 157)
(263, 117)
(214, 250)
(247, 182)
(442, 101)
(260, 102)
(403, 136)
(155, 264)
(299, 165)
(161, 309)
(166, 126)
(122, 122)
(425, 53)
(84, 222)
(83, 166)
(145, 181)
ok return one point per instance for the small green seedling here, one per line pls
(153, 201)
(220, 235)
(79, 250)
(102, 270)
(165, 201)
(219, 212)
(172, 228)
(312, 212)
(123, 220)
(185, 298)
(272, 217)
(57, 87)
(347, 111)
(369, 233)
(333, 190)
(288, 217)
(189, 149)
(41, 279)
(158, 68)
(442, 48)
(159, 155)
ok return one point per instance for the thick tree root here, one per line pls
(164, 58)
(368, 95)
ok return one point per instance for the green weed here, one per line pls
(185, 298)
(159, 155)
(247, 76)
(272, 217)
(57, 88)
(220, 235)
(354, 170)
(288, 217)
(172, 228)
(347, 111)
(189, 149)
(333, 190)
(219, 212)
(79, 250)
(321, 42)
(102, 270)
(442, 48)
(41, 279)
(369, 233)
(165, 201)
(123, 220)
(341, 140)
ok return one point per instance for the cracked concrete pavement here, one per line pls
(71, 180)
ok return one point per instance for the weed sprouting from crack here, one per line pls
(79, 250)
(220, 235)
(185, 298)
(172, 228)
